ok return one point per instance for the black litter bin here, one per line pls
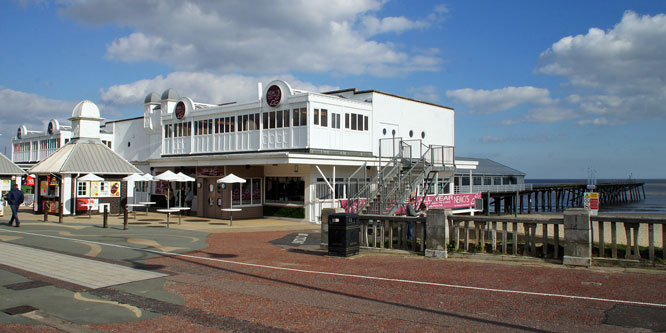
(343, 234)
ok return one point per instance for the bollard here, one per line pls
(124, 219)
(60, 213)
(106, 217)
(46, 212)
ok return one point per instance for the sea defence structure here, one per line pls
(550, 198)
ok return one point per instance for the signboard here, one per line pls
(5, 185)
(30, 181)
(94, 189)
(43, 188)
(210, 171)
(591, 202)
(273, 95)
(114, 188)
(87, 203)
(442, 201)
(180, 110)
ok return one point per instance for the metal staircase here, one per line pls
(414, 164)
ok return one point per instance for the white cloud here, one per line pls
(269, 36)
(428, 93)
(622, 69)
(373, 25)
(34, 111)
(201, 87)
(490, 101)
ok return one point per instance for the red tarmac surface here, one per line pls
(225, 296)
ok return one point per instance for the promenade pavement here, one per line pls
(270, 275)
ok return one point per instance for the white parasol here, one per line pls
(167, 176)
(230, 179)
(91, 177)
(183, 179)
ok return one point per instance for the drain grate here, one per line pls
(27, 285)
(21, 309)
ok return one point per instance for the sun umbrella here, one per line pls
(169, 177)
(135, 177)
(230, 179)
(91, 177)
(183, 179)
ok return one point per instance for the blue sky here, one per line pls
(551, 88)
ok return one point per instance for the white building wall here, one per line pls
(405, 115)
(132, 141)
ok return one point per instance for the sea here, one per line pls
(654, 202)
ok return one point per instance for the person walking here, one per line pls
(14, 199)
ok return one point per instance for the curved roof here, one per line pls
(170, 94)
(85, 109)
(153, 97)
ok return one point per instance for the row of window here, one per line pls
(271, 119)
(49, 144)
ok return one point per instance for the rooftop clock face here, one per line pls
(273, 95)
(180, 110)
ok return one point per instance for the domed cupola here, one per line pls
(85, 121)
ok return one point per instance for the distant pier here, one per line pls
(553, 198)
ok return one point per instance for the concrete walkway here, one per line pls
(84, 272)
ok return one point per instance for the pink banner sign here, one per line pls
(442, 201)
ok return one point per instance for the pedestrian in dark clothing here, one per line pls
(410, 212)
(14, 199)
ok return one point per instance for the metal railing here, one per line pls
(492, 188)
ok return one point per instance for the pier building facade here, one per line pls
(299, 151)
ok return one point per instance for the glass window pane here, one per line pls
(286, 118)
(278, 119)
(235, 193)
(316, 116)
(271, 119)
(265, 120)
(304, 117)
(296, 117)
(353, 121)
(324, 117)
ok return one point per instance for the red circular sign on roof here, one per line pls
(273, 95)
(180, 110)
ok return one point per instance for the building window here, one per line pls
(335, 120)
(324, 118)
(286, 118)
(285, 190)
(278, 119)
(82, 189)
(295, 112)
(248, 193)
(346, 120)
(316, 116)
(304, 116)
